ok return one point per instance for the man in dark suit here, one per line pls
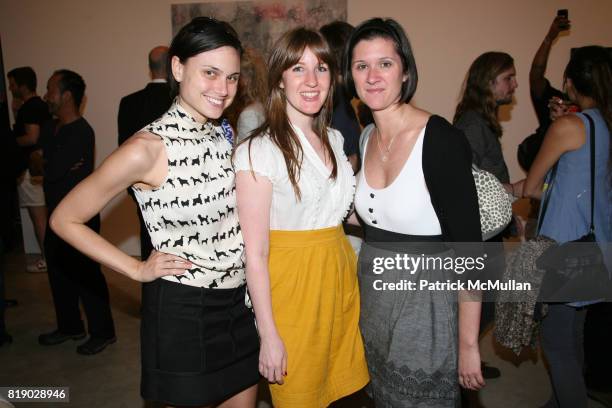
(141, 108)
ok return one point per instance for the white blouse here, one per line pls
(324, 202)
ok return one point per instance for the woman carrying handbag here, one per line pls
(574, 208)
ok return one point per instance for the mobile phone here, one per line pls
(565, 14)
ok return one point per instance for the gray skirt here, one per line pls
(410, 335)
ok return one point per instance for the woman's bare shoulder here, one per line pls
(141, 147)
(568, 132)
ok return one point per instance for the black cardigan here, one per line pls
(447, 167)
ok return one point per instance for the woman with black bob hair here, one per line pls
(416, 191)
(561, 177)
(199, 344)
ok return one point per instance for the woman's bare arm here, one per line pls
(254, 196)
(142, 159)
(470, 375)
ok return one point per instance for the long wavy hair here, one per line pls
(477, 94)
(287, 52)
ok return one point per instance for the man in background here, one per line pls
(68, 146)
(30, 115)
(490, 83)
(141, 108)
(541, 92)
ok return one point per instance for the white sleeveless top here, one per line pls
(404, 206)
(193, 213)
(324, 202)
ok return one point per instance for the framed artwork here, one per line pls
(260, 23)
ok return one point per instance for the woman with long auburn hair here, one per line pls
(294, 187)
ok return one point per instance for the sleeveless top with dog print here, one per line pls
(192, 214)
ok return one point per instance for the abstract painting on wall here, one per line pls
(260, 23)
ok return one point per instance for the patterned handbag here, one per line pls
(494, 203)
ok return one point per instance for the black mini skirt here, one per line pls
(199, 346)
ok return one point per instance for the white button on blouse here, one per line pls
(324, 202)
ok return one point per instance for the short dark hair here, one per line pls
(24, 76)
(337, 34)
(387, 29)
(200, 35)
(72, 82)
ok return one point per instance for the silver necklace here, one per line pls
(384, 156)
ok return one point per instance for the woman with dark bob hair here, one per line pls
(415, 193)
(561, 177)
(295, 186)
(199, 344)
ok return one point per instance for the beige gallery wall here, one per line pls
(107, 42)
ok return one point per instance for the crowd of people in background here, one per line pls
(244, 172)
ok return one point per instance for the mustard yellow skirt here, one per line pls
(315, 301)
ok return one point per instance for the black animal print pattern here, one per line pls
(192, 214)
(494, 203)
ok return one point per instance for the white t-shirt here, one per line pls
(324, 202)
(404, 206)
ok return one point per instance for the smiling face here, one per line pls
(503, 86)
(306, 86)
(208, 82)
(377, 72)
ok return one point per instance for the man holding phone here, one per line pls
(542, 92)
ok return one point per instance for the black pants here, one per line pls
(598, 347)
(73, 277)
(562, 342)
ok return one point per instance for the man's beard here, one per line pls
(504, 101)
